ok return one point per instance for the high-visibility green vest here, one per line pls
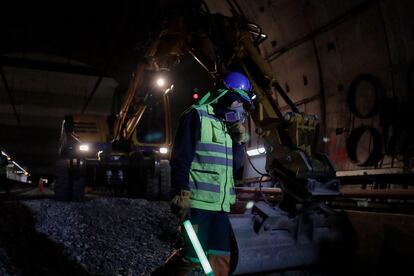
(211, 172)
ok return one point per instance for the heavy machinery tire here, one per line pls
(165, 180)
(151, 184)
(78, 189)
(62, 187)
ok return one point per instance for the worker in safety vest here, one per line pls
(208, 147)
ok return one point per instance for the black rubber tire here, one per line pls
(151, 184)
(62, 187)
(165, 180)
(78, 189)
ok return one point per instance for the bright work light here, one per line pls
(84, 147)
(198, 249)
(163, 150)
(161, 82)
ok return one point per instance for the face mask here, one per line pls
(235, 114)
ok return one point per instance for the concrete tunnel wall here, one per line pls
(318, 48)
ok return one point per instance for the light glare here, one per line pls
(163, 150)
(23, 170)
(249, 205)
(254, 152)
(160, 82)
(84, 148)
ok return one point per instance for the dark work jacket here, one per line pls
(182, 155)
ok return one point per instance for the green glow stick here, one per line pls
(198, 249)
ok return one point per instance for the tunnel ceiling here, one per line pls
(53, 55)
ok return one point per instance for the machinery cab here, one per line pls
(153, 134)
(138, 166)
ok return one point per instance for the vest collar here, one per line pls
(210, 110)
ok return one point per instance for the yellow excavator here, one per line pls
(95, 151)
(301, 230)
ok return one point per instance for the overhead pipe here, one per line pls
(346, 192)
(378, 193)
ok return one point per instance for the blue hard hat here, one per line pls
(236, 80)
(237, 87)
(240, 85)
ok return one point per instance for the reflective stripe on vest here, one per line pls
(211, 172)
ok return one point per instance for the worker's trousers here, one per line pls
(176, 265)
(213, 231)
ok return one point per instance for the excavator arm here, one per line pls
(289, 138)
(221, 44)
(163, 53)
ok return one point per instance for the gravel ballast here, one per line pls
(108, 236)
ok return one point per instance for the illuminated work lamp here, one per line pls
(160, 82)
(164, 150)
(84, 147)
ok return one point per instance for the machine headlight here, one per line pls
(161, 82)
(84, 147)
(164, 150)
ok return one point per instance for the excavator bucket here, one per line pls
(268, 239)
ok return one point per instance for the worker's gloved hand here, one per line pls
(238, 132)
(180, 204)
